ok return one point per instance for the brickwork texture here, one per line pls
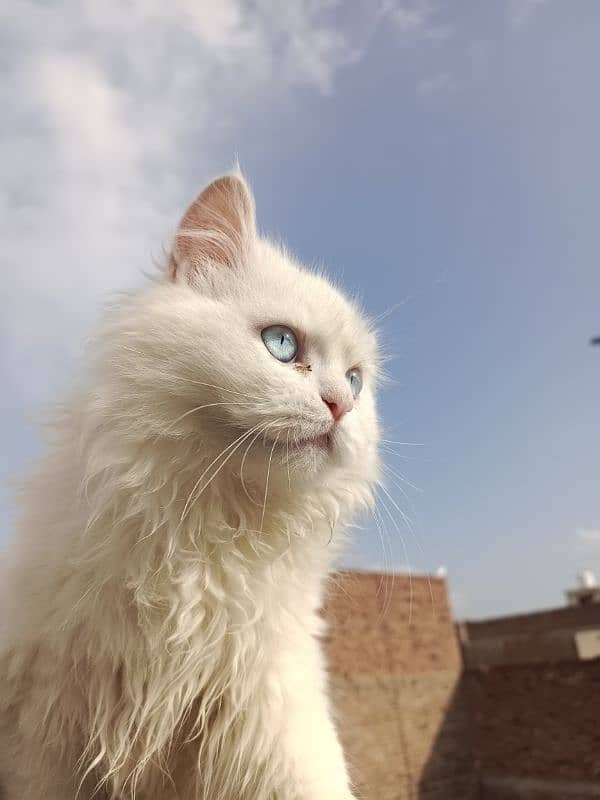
(535, 707)
(397, 688)
(519, 721)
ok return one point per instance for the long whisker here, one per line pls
(247, 493)
(287, 459)
(222, 389)
(393, 452)
(410, 577)
(137, 352)
(404, 444)
(338, 585)
(406, 519)
(394, 477)
(409, 525)
(391, 309)
(231, 447)
(206, 405)
(262, 517)
(400, 477)
(384, 580)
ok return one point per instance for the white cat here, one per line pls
(160, 601)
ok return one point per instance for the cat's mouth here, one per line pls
(316, 442)
(323, 441)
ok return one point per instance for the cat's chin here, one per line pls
(323, 441)
(310, 458)
(301, 461)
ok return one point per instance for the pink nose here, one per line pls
(338, 409)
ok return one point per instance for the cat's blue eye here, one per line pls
(355, 380)
(281, 342)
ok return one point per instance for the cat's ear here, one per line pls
(217, 229)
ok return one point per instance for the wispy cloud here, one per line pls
(589, 536)
(408, 19)
(435, 84)
(440, 33)
(112, 115)
(521, 11)
(411, 15)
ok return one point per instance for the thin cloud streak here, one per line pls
(589, 536)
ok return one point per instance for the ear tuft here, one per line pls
(217, 229)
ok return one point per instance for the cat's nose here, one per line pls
(338, 407)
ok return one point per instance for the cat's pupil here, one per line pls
(281, 342)
(355, 380)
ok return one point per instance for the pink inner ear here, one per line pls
(217, 229)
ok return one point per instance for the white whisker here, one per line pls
(385, 578)
(200, 408)
(287, 459)
(403, 543)
(400, 478)
(262, 518)
(404, 444)
(235, 444)
(408, 523)
(246, 492)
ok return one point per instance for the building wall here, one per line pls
(535, 707)
(538, 638)
(521, 721)
(398, 693)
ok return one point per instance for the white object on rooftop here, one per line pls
(587, 579)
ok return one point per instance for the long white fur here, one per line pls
(160, 596)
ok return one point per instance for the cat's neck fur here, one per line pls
(148, 584)
(142, 532)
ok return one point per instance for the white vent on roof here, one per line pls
(587, 579)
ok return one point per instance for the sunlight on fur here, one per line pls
(161, 592)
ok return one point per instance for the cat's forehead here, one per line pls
(290, 294)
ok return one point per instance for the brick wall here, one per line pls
(542, 637)
(396, 677)
(535, 707)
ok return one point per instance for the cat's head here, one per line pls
(253, 356)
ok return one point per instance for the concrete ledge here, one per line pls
(513, 787)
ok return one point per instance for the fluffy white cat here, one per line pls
(160, 598)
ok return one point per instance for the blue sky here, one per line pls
(438, 157)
